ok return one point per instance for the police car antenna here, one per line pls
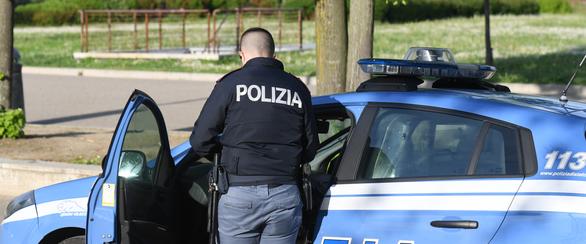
(563, 97)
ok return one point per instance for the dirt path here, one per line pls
(66, 144)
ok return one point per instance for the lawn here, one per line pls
(528, 49)
(536, 49)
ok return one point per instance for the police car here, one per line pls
(464, 161)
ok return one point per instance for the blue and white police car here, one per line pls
(464, 161)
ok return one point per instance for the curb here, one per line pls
(126, 74)
(50, 167)
(18, 176)
(133, 74)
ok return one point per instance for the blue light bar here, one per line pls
(425, 69)
(426, 62)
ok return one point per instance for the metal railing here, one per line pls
(132, 30)
(241, 12)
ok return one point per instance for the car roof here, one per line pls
(511, 107)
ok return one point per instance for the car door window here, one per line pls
(336, 125)
(405, 143)
(500, 154)
(331, 143)
(142, 137)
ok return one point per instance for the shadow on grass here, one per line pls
(550, 68)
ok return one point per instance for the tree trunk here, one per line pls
(331, 46)
(6, 7)
(489, 59)
(360, 28)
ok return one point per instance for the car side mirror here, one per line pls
(131, 163)
(323, 127)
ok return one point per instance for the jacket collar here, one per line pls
(262, 61)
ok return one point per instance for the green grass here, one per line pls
(83, 160)
(54, 48)
(529, 49)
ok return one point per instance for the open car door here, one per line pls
(131, 202)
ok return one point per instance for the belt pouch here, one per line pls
(223, 183)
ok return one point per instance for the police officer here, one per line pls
(267, 128)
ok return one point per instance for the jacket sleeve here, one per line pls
(210, 123)
(311, 138)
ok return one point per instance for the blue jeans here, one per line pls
(259, 214)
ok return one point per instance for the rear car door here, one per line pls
(131, 201)
(413, 174)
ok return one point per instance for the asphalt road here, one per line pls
(98, 102)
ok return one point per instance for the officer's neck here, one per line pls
(247, 58)
(263, 61)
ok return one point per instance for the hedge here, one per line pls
(417, 10)
(554, 6)
(58, 12)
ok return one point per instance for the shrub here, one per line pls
(308, 6)
(53, 12)
(513, 7)
(554, 6)
(59, 12)
(11, 123)
(438, 9)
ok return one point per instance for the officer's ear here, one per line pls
(242, 57)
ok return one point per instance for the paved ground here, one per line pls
(97, 102)
(3, 202)
(56, 143)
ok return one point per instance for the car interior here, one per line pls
(186, 194)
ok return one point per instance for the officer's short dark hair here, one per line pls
(265, 43)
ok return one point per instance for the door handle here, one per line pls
(455, 224)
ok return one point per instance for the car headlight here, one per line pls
(20, 202)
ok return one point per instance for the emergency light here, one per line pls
(426, 62)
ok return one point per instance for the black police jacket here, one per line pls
(265, 121)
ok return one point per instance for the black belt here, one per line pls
(272, 181)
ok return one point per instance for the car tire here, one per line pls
(73, 240)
